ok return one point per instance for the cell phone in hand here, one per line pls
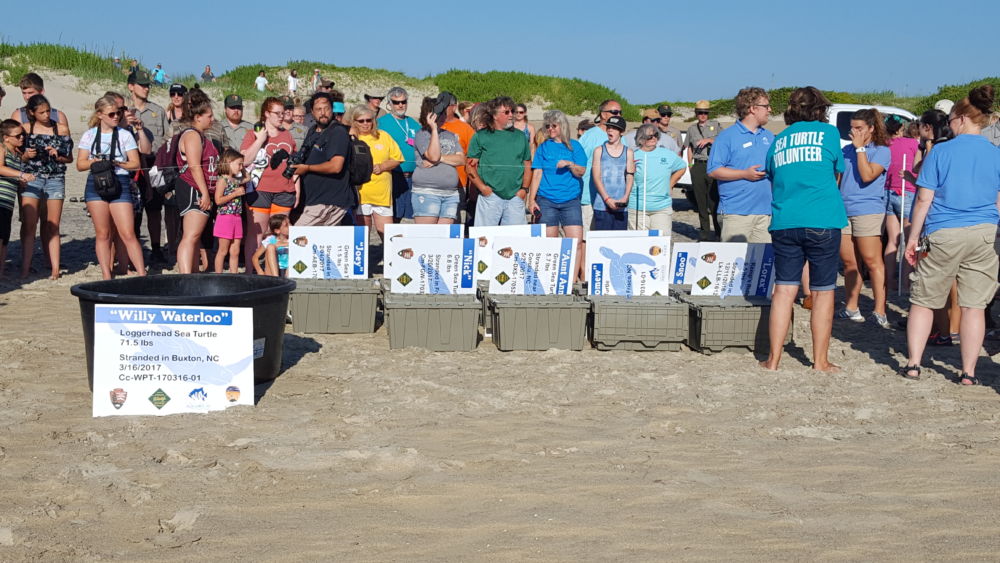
(536, 216)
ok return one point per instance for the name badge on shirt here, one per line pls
(748, 144)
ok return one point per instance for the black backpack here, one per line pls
(165, 169)
(359, 162)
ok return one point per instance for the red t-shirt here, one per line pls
(271, 180)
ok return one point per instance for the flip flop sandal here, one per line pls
(905, 372)
(972, 380)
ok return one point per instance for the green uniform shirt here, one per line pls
(696, 132)
(675, 134)
(154, 118)
(501, 157)
(234, 135)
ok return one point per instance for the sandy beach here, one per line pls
(359, 453)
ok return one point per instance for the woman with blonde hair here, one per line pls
(956, 209)
(104, 141)
(556, 185)
(376, 194)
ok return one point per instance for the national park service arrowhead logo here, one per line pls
(299, 266)
(404, 279)
(482, 266)
(118, 396)
(503, 278)
(159, 398)
(704, 282)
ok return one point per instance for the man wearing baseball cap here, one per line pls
(666, 140)
(648, 116)
(667, 131)
(375, 102)
(700, 137)
(234, 127)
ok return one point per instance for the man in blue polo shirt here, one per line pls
(737, 163)
(403, 129)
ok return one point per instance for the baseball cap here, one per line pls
(444, 100)
(650, 113)
(664, 110)
(338, 107)
(370, 96)
(616, 122)
(944, 105)
(233, 101)
(140, 77)
(178, 88)
(288, 102)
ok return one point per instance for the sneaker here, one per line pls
(850, 315)
(955, 339)
(882, 321)
(938, 340)
(156, 256)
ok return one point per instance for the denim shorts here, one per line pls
(46, 187)
(567, 214)
(895, 201)
(794, 247)
(90, 194)
(433, 205)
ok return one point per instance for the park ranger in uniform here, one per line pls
(700, 137)
(662, 120)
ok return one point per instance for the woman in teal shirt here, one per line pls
(656, 171)
(956, 207)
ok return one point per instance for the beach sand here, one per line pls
(358, 453)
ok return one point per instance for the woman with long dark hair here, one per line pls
(862, 186)
(956, 210)
(49, 148)
(197, 159)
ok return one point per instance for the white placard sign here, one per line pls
(484, 243)
(719, 270)
(625, 234)
(155, 360)
(393, 230)
(430, 265)
(328, 253)
(533, 266)
(683, 257)
(628, 267)
(758, 270)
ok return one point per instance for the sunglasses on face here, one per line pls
(362, 120)
(18, 136)
(551, 125)
(613, 111)
(175, 94)
(399, 102)
(668, 114)
(701, 112)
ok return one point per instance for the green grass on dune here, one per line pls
(571, 95)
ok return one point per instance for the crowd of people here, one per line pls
(238, 186)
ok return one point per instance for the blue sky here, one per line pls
(651, 52)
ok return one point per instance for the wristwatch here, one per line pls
(861, 150)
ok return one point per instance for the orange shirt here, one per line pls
(465, 133)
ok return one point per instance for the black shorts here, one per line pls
(187, 198)
(6, 216)
(271, 201)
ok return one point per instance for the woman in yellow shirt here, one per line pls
(376, 194)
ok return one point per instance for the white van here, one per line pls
(840, 117)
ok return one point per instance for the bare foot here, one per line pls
(826, 368)
(766, 364)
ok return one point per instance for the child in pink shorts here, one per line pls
(229, 192)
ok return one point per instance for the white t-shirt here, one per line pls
(261, 83)
(293, 83)
(126, 142)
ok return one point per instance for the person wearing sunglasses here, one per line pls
(376, 194)
(590, 140)
(175, 109)
(737, 163)
(665, 140)
(403, 129)
(439, 152)
(12, 180)
(96, 144)
(956, 209)
(700, 137)
(522, 125)
(499, 166)
(556, 184)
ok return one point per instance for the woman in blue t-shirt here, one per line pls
(557, 167)
(862, 186)
(956, 208)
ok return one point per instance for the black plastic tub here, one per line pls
(267, 296)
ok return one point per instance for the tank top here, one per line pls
(9, 186)
(235, 205)
(53, 115)
(613, 172)
(209, 160)
(43, 164)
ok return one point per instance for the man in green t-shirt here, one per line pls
(499, 166)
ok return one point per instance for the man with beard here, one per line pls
(326, 190)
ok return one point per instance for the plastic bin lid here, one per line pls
(421, 301)
(337, 286)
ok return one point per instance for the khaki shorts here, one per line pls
(864, 225)
(661, 220)
(962, 253)
(588, 217)
(320, 215)
(745, 228)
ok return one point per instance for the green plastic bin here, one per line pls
(638, 323)
(717, 323)
(539, 322)
(334, 306)
(485, 319)
(442, 323)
